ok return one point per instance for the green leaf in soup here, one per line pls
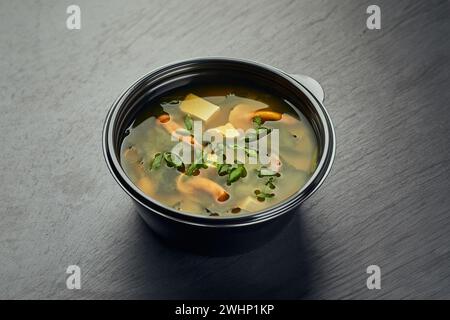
(234, 175)
(156, 162)
(261, 196)
(193, 167)
(243, 171)
(173, 160)
(188, 123)
(168, 159)
(257, 121)
(176, 159)
(223, 169)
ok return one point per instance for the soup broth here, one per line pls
(225, 176)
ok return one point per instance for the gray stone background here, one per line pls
(386, 201)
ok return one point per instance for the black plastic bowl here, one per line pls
(216, 235)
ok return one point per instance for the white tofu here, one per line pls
(228, 131)
(251, 204)
(198, 107)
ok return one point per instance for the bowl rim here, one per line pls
(314, 182)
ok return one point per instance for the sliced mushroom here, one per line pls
(131, 155)
(267, 115)
(146, 186)
(191, 185)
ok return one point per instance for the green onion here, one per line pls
(235, 174)
(188, 123)
(173, 160)
(156, 162)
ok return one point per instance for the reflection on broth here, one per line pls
(216, 177)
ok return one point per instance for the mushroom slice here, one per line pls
(191, 185)
(267, 115)
(146, 185)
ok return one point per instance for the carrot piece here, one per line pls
(267, 115)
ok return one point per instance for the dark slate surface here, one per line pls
(386, 201)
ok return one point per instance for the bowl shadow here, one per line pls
(279, 269)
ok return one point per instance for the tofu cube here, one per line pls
(198, 107)
(228, 130)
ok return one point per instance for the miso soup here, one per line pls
(219, 150)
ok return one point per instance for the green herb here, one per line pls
(173, 160)
(188, 122)
(266, 193)
(257, 121)
(198, 164)
(223, 169)
(259, 128)
(270, 182)
(244, 171)
(191, 169)
(194, 167)
(262, 196)
(156, 162)
(235, 174)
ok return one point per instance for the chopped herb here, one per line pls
(188, 123)
(235, 174)
(270, 184)
(223, 169)
(261, 131)
(156, 162)
(199, 163)
(173, 160)
(193, 169)
(257, 121)
(262, 195)
(244, 171)
(236, 210)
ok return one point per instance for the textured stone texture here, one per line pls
(386, 201)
